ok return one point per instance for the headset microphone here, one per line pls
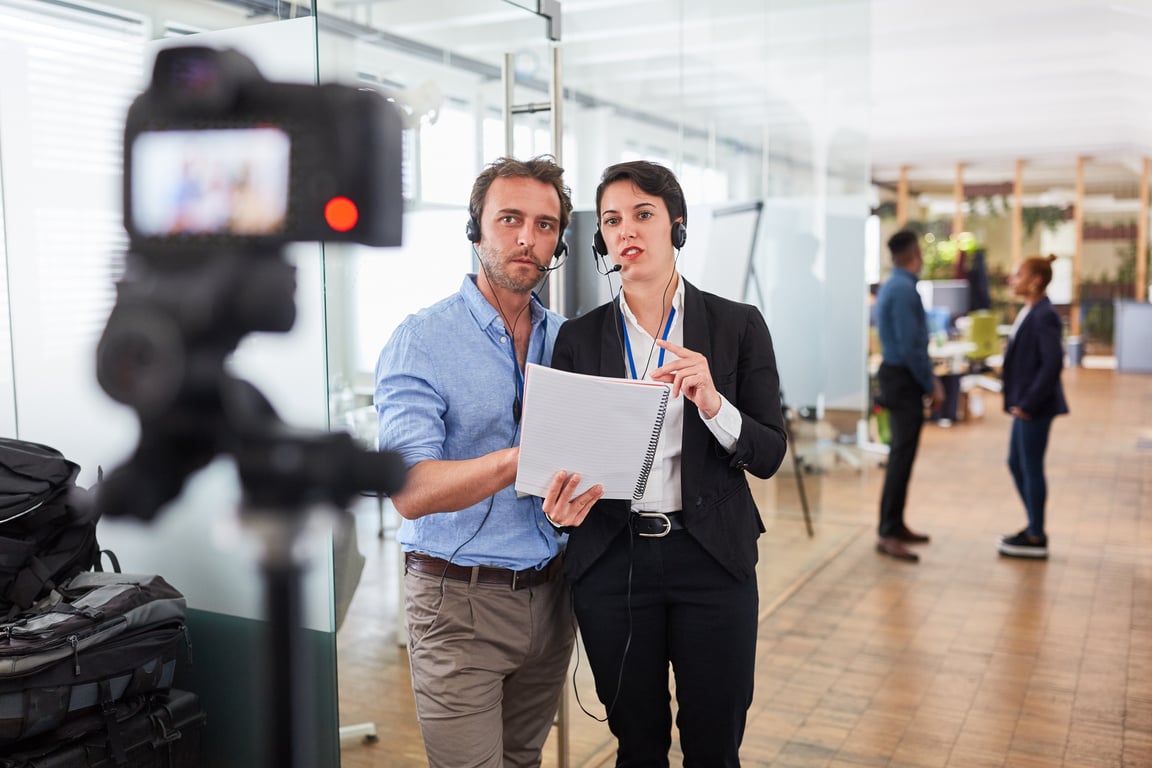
(596, 254)
(560, 255)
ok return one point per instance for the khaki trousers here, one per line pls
(488, 664)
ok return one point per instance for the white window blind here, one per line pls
(69, 72)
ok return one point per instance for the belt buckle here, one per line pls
(656, 516)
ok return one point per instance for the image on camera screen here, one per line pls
(210, 182)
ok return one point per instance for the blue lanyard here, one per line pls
(516, 363)
(628, 343)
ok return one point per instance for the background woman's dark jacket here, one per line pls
(1032, 364)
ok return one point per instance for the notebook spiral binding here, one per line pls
(650, 456)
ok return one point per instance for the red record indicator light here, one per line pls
(341, 214)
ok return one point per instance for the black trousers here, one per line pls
(647, 603)
(902, 396)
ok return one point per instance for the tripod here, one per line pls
(191, 409)
(797, 463)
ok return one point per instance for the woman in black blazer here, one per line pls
(1033, 396)
(670, 578)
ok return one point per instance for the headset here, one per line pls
(472, 230)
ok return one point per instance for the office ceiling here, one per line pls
(985, 82)
(979, 82)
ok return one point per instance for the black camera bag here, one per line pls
(98, 638)
(45, 536)
(154, 731)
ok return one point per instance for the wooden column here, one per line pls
(902, 198)
(1142, 234)
(958, 200)
(1078, 254)
(1018, 214)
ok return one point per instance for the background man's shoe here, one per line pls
(911, 537)
(894, 548)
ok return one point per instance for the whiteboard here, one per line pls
(731, 239)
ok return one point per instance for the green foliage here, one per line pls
(941, 255)
(938, 228)
(1099, 321)
(1126, 269)
(992, 206)
(1051, 216)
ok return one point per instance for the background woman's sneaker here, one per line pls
(1021, 532)
(1023, 545)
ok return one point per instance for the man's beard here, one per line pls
(494, 269)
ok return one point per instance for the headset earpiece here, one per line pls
(598, 244)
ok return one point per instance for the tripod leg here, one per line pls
(798, 466)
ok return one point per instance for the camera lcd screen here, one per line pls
(217, 182)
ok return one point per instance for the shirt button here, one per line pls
(503, 339)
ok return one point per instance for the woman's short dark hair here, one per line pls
(653, 179)
(542, 168)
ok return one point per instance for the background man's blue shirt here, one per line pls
(445, 384)
(903, 327)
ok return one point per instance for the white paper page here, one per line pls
(601, 428)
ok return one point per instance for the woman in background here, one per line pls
(1034, 396)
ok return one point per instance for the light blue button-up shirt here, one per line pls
(445, 385)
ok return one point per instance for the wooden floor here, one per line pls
(965, 660)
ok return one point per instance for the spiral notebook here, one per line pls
(603, 428)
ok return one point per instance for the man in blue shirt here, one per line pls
(489, 617)
(905, 378)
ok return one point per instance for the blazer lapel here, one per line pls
(611, 341)
(697, 438)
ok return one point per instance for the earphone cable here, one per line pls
(623, 656)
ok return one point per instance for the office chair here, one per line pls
(982, 334)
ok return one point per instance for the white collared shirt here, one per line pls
(663, 493)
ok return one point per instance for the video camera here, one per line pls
(216, 156)
(222, 169)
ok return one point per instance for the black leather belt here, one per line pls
(529, 577)
(655, 525)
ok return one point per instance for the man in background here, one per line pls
(905, 378)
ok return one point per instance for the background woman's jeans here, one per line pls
(1026, 447)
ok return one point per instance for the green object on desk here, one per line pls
(883, 429)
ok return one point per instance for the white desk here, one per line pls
(954, 354)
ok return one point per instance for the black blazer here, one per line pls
(718, 507)
(1032, 364)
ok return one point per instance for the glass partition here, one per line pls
(758, 107)
(761, 104)
(68, 72)
(443, 66)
